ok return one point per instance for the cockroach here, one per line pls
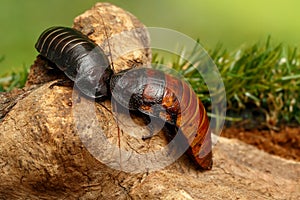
(171, 99)
(82, 60)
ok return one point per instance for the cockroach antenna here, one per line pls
(108, 43)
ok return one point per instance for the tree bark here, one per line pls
(52, 146)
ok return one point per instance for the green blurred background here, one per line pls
(230, 22)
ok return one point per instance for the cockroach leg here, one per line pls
(62, 82)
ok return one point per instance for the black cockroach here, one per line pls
(171, 99)
(82, 60)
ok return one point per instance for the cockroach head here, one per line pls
(94, 83)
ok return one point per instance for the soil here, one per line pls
(284, 143)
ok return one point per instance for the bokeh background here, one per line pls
(231, 22)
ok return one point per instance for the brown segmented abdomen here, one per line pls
(191, 121)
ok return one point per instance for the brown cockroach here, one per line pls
(171, 99)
